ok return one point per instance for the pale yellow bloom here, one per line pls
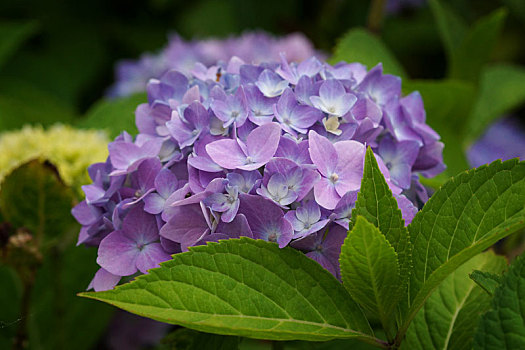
(70, 150)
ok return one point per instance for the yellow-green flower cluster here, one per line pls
(70, 150)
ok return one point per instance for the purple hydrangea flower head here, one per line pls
(271, 151)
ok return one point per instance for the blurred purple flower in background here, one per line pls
(252, 47)
(504, 139)
(271, 151)
(396, 6)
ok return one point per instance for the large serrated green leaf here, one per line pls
(370, 270)
(477, 46)
(501, 90)
(466, 216)
(114, 115)
(486, 280)
(449, 317)
(245, 287)
(503, 327)
(358, 45)
(376, 203)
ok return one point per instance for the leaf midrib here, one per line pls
(455, 315)
(474, 241)
(375, 288)
(416, 303)
(226, 316)
(281, 279)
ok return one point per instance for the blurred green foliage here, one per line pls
(41, 295)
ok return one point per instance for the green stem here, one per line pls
(375, 342)
(375, 16)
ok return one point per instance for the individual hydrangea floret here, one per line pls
(252, 47)
(272, 151)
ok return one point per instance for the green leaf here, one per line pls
(244, 287)
(12, 36)
(376, 203)
(449, 318)
(358, 45)
(447, 102)
(33, 196)
(477, 46)
(502, 327)
(23, 103)
(188, 339)
(467, 215)
(501, 90)
(370, 270)
(486, 280)
(452, 29)
(114, 115)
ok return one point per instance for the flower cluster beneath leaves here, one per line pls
(181, 55)
(272, 151)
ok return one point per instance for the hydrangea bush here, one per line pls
(253, 47)
(273, 151)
